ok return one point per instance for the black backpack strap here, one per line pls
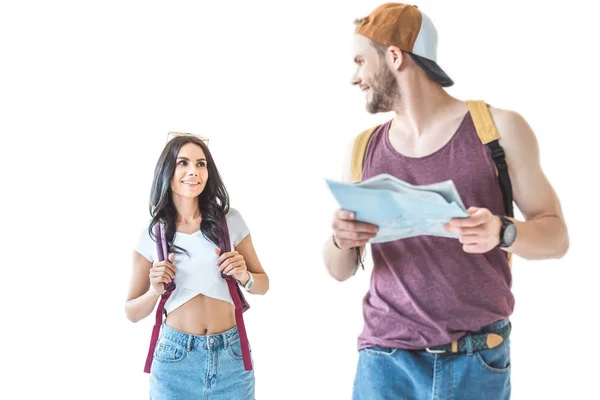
(499, 158)
(488, 134)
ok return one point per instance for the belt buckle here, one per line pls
(434, 351)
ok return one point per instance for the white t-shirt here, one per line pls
(199, 272)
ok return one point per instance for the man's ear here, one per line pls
(398, 57)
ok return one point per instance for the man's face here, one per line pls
(374, 77)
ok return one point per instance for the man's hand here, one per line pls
(479, 233)
(349, 233)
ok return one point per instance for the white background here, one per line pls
(88, 91)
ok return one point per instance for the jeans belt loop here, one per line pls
(190, 342)
(469, 345)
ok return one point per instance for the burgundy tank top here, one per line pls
(425, 290)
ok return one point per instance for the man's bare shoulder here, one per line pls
(516, 136)
(512, 126)
(508, 122)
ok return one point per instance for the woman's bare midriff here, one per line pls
(202, 315)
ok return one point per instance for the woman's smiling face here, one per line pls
(191, 173)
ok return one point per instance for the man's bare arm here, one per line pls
(543, 234)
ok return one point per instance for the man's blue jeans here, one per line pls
(395, 374)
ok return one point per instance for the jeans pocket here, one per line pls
(495, 360)
(380, 351)
(167, 351)
(235, 349)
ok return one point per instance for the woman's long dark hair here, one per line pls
(213, 201)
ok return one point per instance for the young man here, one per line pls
(436, 314)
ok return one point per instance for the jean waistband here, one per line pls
(223, 339)
(494, 327)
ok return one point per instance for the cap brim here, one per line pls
(433, 70)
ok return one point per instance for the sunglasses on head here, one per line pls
(173, 135)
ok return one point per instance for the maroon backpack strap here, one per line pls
(162, 252)
(237, 296)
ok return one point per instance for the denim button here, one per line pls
(212, 340)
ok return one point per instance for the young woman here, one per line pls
(198, 354)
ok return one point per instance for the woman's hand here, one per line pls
(233, 264)
(161, 274)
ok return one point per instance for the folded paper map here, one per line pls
(401, 210)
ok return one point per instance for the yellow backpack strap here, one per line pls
(488, 133)
(484, 124)
(358, 153)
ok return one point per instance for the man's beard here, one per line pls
(384, 91)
